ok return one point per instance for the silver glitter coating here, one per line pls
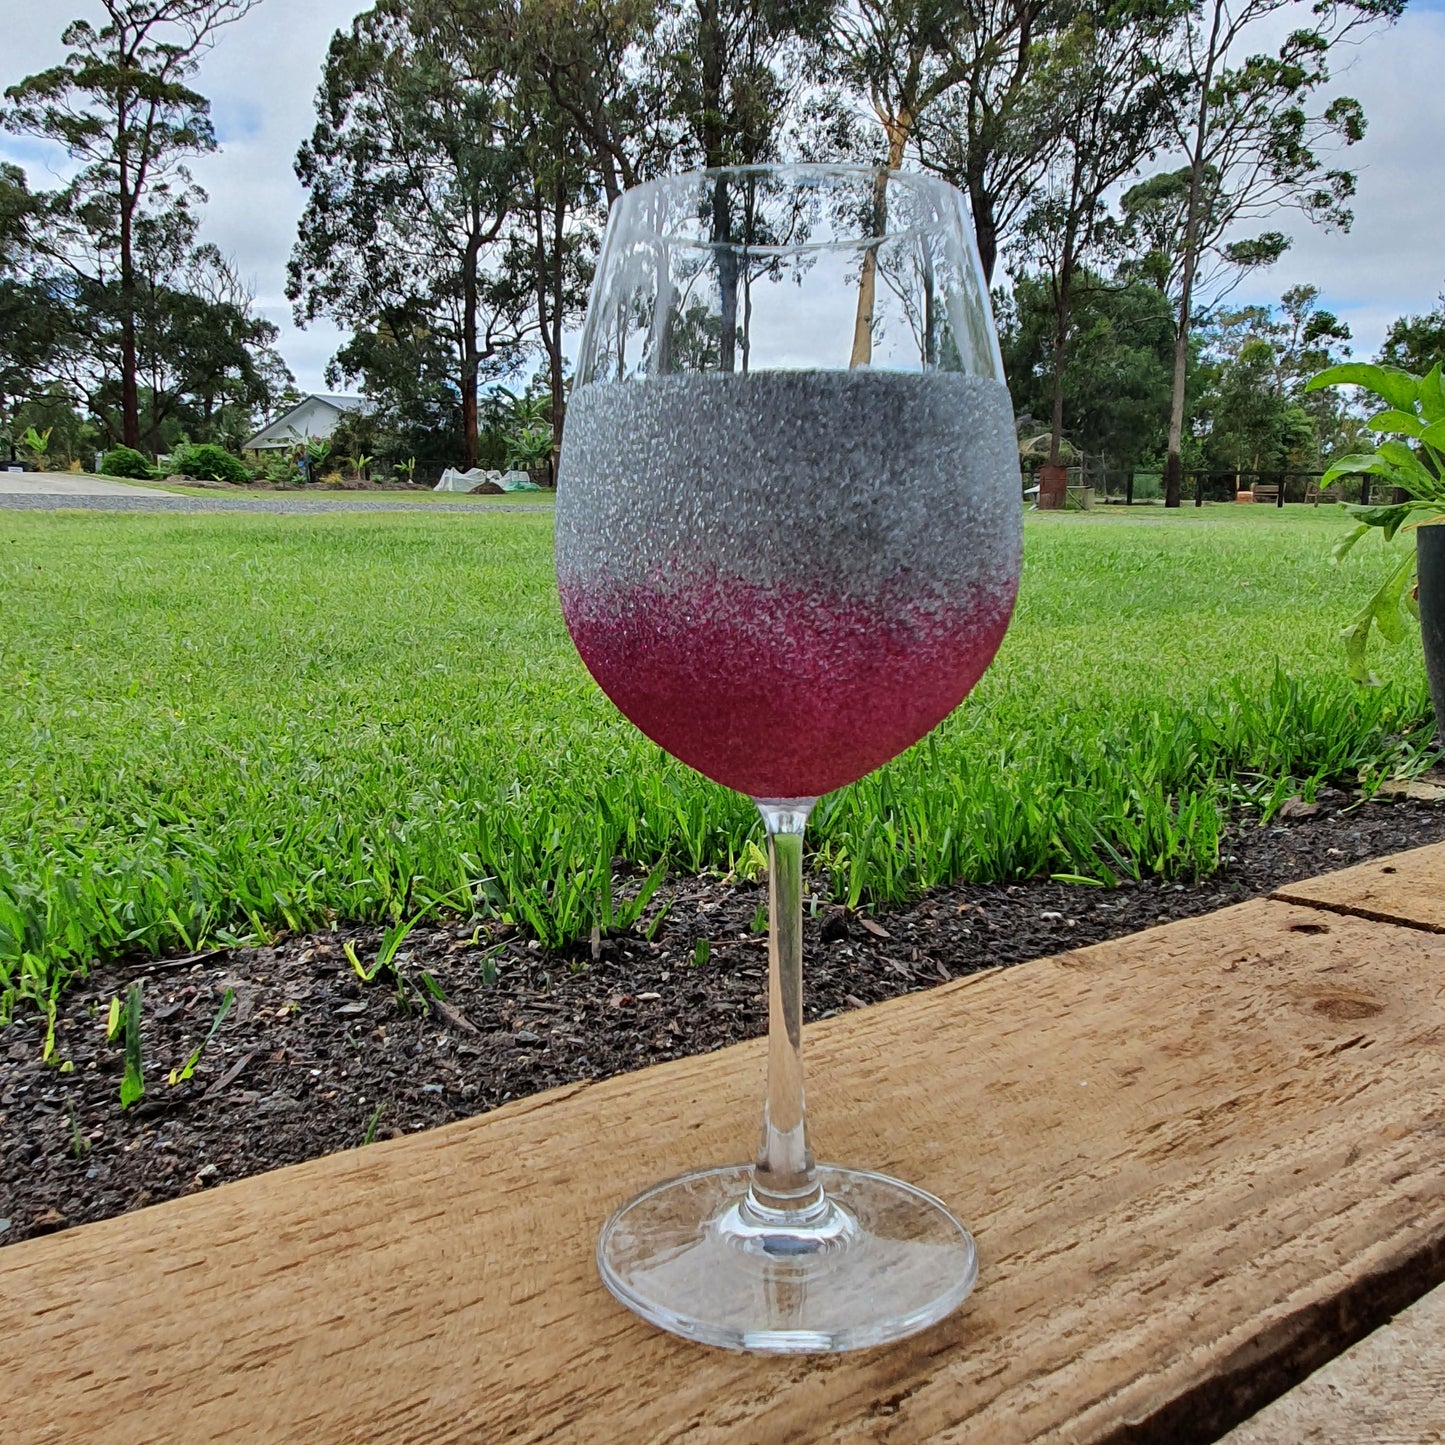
(866, 485)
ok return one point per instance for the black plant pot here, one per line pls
(1430, 543)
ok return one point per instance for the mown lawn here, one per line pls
(223, 725)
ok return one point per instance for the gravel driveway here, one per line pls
(32, 491)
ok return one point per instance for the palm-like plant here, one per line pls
(1410, 457)
(37, 443)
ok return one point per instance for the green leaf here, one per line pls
(1355, 464)
(1390, 518)
(1400, 422)
(1410, 472)
(349, 949)
(132, 1085)
(113, 1020)
(1432, 394)
(1394, 387)
(179, 1076)
(1343, 547)
(1381, 611)
(1434, 435)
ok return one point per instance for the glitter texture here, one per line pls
(785, 579)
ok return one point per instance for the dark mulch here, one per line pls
(309, 1054)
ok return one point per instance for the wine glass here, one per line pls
(788, 545)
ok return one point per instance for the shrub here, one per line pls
(209, 463)
(126, 462)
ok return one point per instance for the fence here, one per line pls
(1118, 487)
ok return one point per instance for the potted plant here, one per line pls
(1411, 458)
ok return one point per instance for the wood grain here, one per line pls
(1387, 1390)
(1408, 888)
(1199, 1161)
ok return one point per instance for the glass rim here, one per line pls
(919, 182)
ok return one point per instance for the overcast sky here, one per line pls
(263, 75)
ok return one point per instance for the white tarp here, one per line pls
(455, 481)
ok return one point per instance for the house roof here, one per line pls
(354, 404)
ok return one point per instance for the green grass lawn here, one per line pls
(222, 725)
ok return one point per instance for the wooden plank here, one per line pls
(1408, 888)
(1387, 1390)
(1199, 1161)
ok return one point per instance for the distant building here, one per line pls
(314, 417)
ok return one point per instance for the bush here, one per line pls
(126, 462)
(209, 463)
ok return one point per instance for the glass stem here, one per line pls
(784, 1178)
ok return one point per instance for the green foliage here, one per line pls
(126, 462)
(530, 448)
(132, 1084)
(1117, 375)
(1416, 343)
(410, 179)
(188, 1069)
(119, 257)
(1255, 365)
(210, 463)
(1415, 410)
(37, 444)
(186, 767)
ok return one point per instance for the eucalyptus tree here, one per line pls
(552, 238)
(993, 133)
(901, 57)
(1106, 102)
(32, 324)
(121, 106)
(1416, 343)
(598, 61)
(1252, 145)
(411, 174)
(738, 68)
(1116, 369)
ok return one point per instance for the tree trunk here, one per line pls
(727, 275)
(985, 228)
(129, 363)
(1174, 466)
(897, 127)
(711, 131)
(470, 359)
(1174, 463)
(554, 346)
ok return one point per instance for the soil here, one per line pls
(310, 1058)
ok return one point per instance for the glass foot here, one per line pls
(874, 1261)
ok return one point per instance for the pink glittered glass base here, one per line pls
(780, 693)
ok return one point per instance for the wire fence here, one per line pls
(1096, 486)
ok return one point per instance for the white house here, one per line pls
(313, 416)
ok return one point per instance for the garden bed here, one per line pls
(310, 1059)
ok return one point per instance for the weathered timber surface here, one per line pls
(1199, 1162)
(1387, 1390)
(1408, 888)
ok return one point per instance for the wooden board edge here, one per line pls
(1306, 1335)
